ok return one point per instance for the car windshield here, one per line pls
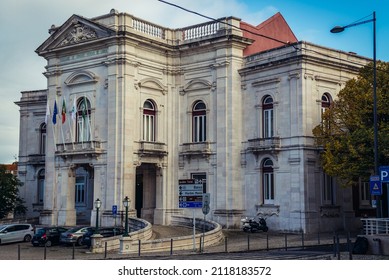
(41, 231)
(74, 229)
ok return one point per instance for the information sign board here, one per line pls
(190, 194)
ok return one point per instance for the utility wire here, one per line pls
(264, 36)
(220, 21)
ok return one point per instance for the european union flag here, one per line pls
(55, 112)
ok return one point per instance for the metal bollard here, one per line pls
(73, 250)
(18, 251)
(267, 242)
(139, 243)
(286, 242)
(226, 244)
(171, 246)
(105, 250)
(248, 242)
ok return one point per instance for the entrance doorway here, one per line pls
(83, 195)
(145, 191)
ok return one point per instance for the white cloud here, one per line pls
(24, 26)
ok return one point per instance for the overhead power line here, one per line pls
(220, 21)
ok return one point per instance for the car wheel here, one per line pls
(27, 238)
(48, 243)
(79, 242)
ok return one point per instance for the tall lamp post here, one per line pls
(126, 204)
(338, 29)
(97, 206)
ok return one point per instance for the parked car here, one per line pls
(47, 236)
(74, 235)
(104, 231)
(16, 233)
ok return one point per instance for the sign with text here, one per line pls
(190, 194)
(375, 185)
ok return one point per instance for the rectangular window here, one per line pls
(268, 123)
(148, 128)
(364, 194)
(268, 188)
(328, 190)
(80, 196)
(41, 189)
(199, 128)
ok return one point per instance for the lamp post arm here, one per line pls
(359, 23)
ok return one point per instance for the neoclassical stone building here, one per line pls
(132, 107)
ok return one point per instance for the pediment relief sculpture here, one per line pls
(78, 33)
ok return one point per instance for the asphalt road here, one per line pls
(237, 245)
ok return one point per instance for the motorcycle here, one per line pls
(250, 224)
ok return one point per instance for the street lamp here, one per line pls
(338, 29)
(97, 206)
(126, 204)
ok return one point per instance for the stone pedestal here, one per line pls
(125, 244)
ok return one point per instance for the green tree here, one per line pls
(9, 194)
(346, 133)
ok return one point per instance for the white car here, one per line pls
(16, 233)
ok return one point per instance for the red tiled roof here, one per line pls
(274, 27)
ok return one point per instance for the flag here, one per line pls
(47, 112)
(63, 111)
(55, 112)
(74, 110)
(84, 108)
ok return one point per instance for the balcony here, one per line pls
(37, 159)
(152, 149)
(264, 145)
(80, 149)
(196, 149)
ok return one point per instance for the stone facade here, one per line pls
(155, 105)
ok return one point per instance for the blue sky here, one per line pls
(24, 26)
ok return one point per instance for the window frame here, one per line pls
(268, 117)
(199, 122)
(268, 183)
(149, 121)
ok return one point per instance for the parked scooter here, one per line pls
(250, 224)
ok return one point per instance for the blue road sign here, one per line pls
(384, 174)
(375, 185)
(114, 209)
(190, 204)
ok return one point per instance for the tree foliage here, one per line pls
(9, 194)
(346, 133)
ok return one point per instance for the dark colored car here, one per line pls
(47, 236)
(74, 235)
(104, 231)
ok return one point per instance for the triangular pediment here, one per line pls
(75, 30)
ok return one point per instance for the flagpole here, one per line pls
(54, 120)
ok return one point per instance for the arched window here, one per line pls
(42, 139)
(83, 120)
(199, 122)
(325, 105)
(325, 102)
(149, 121)
(41, 186)
(268, 181)
(268, 117)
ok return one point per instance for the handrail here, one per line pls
(375, 226)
